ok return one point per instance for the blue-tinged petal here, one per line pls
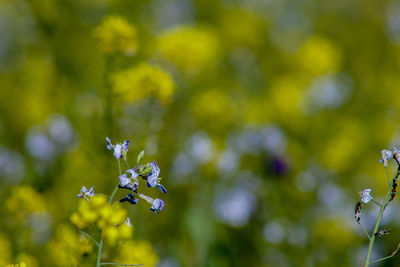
(152, 181)
(118, 151)
(125, 145)
(158, 204)
(155, 170)
(109, 145)
(133, 173)
(124, 180)
(162, 188)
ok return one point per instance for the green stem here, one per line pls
(109, 201)
(372, 240)
(382, 259)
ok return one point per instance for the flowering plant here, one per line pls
(366, 197)
(111, 218)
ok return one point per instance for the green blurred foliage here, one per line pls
(265, 117)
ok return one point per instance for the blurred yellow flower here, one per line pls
(189, 48)
(115, 34)
(143, 81)
(24, 200)
(22, 264)
(137, 252)
(319, 56)
(109, 218)
(285, 96)
(340, 150)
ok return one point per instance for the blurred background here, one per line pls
(265, 117)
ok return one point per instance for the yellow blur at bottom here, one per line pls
(22, 264)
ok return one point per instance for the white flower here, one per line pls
(386, 155)
(86, 193)
(365, 195)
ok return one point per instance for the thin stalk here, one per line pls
(376, 202)
(382, 259)
(365, 231)
(89, 236)
(372, 240)
(387, 175)
(109, 201)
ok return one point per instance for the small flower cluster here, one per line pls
(366, 197)
(112, 219)
(115, 34)
(142, 81)
(130, 179)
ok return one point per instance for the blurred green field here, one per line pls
(265, 117)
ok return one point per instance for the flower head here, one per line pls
(115, 34)
(119, 149)
(143, 81)
(86, 193)
(365, 195)
(386, 155)
(129, 183)
(157, 205)
(153, 180)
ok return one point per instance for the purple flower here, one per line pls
(153, 180)
(125, 145)
(127, 183)
(157, 205)
(86, 193)
(119, 149)
(109, 145)
(130, 198)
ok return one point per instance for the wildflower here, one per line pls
(128, 183)
(120, 150)
(143, 81)
(156, 204)
(137, 251)
(115, 34)
(86, 193)
(386, 155)
(177, 46)
(153, 180)
(365, 195)
(130, 198)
